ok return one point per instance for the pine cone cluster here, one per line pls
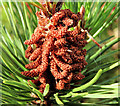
(56, 53)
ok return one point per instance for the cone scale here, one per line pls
(58, 57)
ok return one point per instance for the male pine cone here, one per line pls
(58, 55)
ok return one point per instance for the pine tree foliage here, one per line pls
(22, 22)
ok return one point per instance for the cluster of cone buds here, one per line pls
(56, 53)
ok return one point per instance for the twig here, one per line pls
(90, 37)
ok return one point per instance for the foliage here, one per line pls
(22, 21)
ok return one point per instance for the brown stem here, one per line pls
(54, 7)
